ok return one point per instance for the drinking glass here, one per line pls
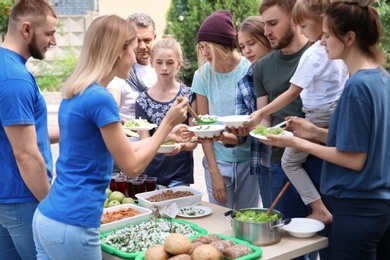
(151, 183)
(139, 185)
(130, 188)
(112, 182)
(120, 182)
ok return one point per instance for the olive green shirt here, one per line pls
(271, 77)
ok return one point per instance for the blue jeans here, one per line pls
(264, 185)
(242, 190)
(174, 183)
(291, 204)
(56, 240)
(16, 236)
(361, 229)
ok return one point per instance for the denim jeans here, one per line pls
(264, 185)
(242, 190)
(361, 229)
(16, 236)
(56, 240)
(291, 204)
(174, 183)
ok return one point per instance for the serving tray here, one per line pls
(257, 251)
(116, 251)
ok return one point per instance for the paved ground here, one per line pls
(53, 99)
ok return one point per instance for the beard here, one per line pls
(285, 40)
(34, 50)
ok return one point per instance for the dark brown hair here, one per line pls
(360, 18)
(286, 5)
(36, 11)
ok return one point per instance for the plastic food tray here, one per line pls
(145, 215)
(115, 251)
(181, 202)
(257, 252)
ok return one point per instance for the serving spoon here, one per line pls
(197, 119)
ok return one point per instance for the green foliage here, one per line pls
(185, 17)
(52, 77)
(383, 8)
(5, 10)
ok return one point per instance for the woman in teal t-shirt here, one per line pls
(227, 169)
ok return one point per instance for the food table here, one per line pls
(289, 247)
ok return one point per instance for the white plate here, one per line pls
(205, 211)
(233, 121)
(166, 148)
(303, 227)
(262, 137)
(140, 128)
(207, 131)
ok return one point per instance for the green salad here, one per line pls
(203, 127)
(254, 216)
(136, 122)
(262, 130)
(169, 143)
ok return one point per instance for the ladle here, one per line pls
(278, 198)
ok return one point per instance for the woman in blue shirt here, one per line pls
(356, 171)
(66, 223)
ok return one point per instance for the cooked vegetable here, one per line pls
(262, 130)
(137, 238)
(111, 216)
(136, 122)
(254, 216)
(203, 127)
(192, 211)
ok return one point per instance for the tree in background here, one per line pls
(185, 17)
(5, 10)
(383, 8)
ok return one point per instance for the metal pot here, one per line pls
(260, 233)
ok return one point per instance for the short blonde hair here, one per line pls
(105, 39)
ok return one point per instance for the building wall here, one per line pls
(72, 28)
(157, 9)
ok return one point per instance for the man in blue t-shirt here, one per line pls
(25, 156)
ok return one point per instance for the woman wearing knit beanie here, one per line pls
(227, 174)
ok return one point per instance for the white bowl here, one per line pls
(207, 131)
(145, 215)
(303, 227)
(166, 148)
(181, 202)
(233, 121)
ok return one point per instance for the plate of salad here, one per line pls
(194, 212)
(138, 124)
(261, 132)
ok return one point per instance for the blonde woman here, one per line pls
(66, 222)
(227, 173)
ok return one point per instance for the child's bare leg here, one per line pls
(320, 212)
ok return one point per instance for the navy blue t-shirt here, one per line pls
(166, 168)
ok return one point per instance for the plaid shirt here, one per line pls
(245, 105)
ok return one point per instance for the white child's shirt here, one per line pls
(322, 79)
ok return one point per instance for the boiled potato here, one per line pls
(181, 257)
(156, 253)
(206, 252)
(177, 244)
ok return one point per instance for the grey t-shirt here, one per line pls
(271, 77)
